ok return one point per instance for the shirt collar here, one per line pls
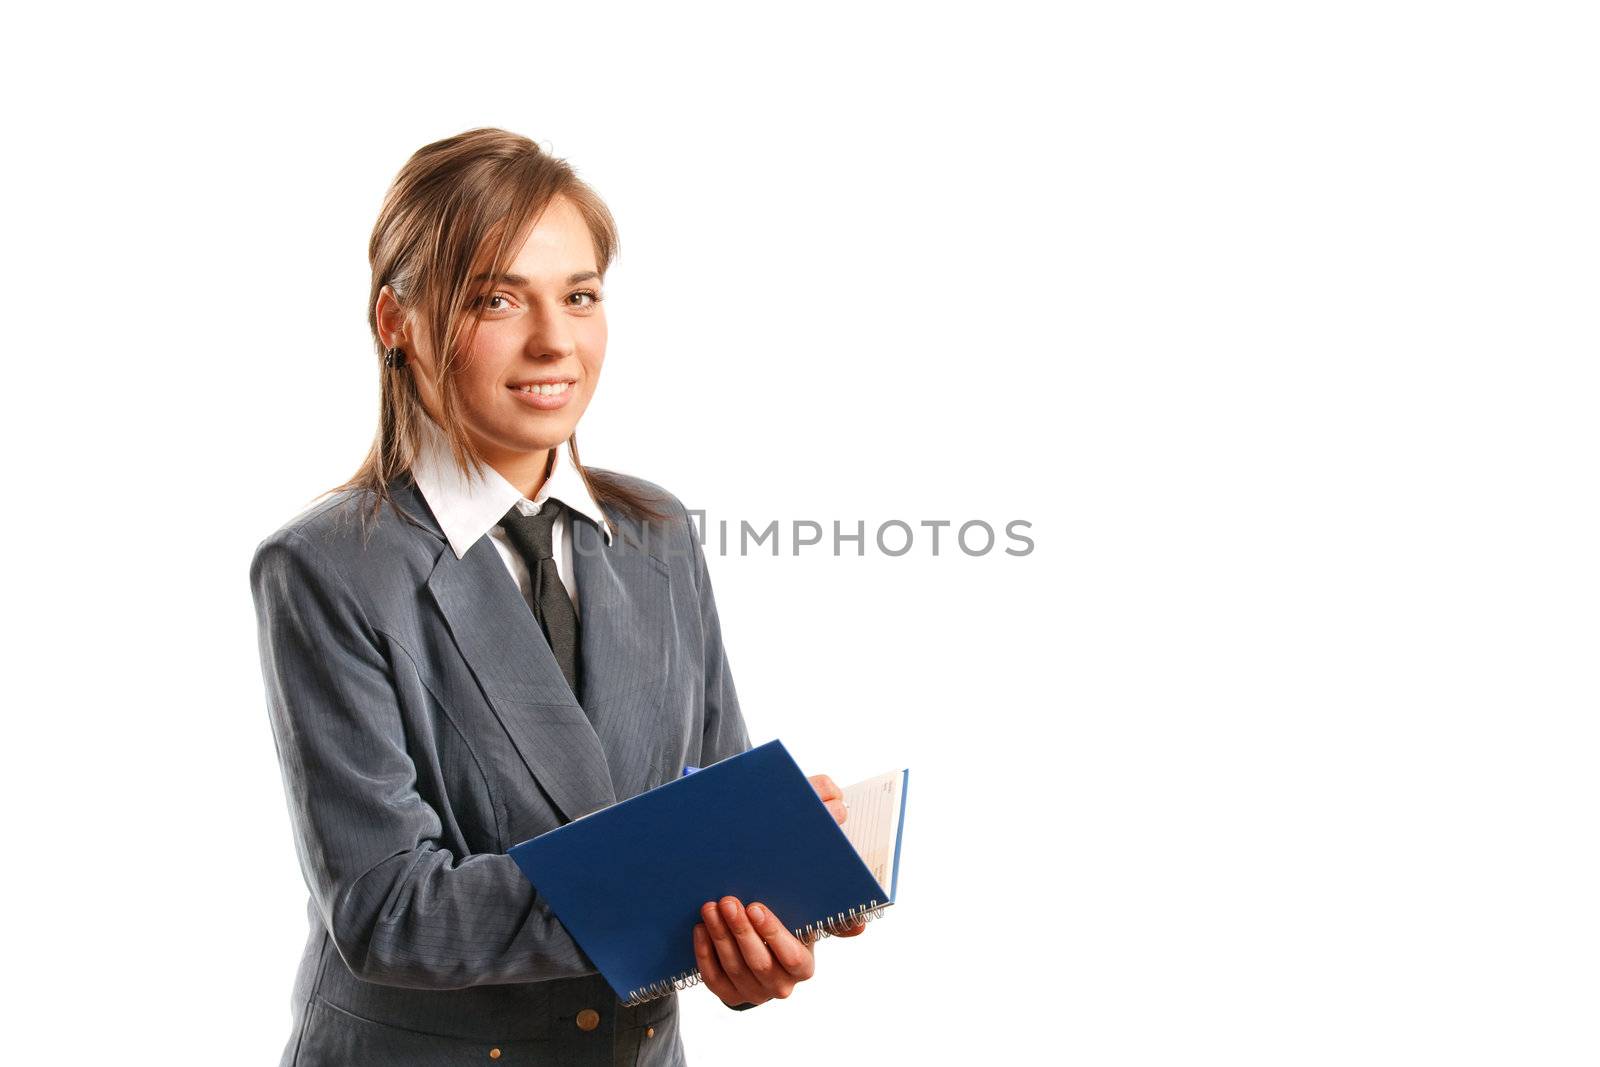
(468, 507)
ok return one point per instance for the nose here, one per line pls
(550, 335)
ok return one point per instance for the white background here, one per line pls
(1277, 322)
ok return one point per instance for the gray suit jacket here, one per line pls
(423, 727)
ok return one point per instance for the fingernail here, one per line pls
(758, 913)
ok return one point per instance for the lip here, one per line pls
(543, 403)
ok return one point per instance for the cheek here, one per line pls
(594, 351)
(482, 370)
(473, 389)
(594, 339)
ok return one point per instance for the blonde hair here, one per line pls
(453, 200)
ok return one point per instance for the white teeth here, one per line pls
(545, 390)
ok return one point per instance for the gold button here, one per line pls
(588, 1019)
(649, 1031)
(494, 1054)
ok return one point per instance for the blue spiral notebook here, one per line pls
(627, 881)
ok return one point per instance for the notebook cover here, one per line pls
(627, 881)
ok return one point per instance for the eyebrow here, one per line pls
(517, 279)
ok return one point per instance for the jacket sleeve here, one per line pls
(725, 732)
(401, 909)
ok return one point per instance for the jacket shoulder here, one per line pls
(653, 495)
(665, 527)
(344, 527)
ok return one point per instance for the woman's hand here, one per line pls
(746, 955)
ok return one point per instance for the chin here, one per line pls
(543, 437)
(542, 442)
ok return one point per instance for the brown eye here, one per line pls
(593, 297)
(480, 301)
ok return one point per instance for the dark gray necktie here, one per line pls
(532, 536)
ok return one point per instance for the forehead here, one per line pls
(555, 245)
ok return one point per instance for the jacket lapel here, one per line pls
(503, 646)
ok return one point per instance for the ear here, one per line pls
(393, 322)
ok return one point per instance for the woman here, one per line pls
(475, 640)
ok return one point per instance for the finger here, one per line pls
(832, 796)
(826, 787)
(793, 955)
(726, 951)
(729, 956)
(712, 975)
(852, 931)
(775, 981)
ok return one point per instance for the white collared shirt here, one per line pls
(469, 508)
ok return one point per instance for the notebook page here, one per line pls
(872, 822)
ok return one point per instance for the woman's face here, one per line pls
(530, 371)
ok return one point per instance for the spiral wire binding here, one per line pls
(810, 933)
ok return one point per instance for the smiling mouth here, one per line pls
(551, 389)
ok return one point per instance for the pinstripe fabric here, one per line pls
(423, 726)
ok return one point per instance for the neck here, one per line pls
(528, 471)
